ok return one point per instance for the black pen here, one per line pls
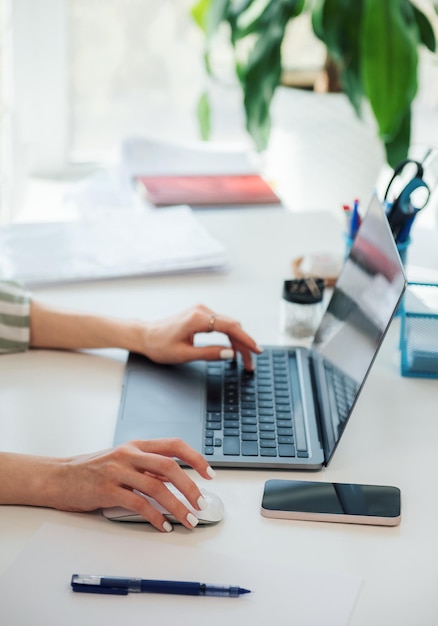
(122, 586)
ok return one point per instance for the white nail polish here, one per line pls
(226, 353)
(192, 520)
(167, 526)
(211, 472)
(202, 504)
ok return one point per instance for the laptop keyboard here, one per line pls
(344, 391)
(254, 413)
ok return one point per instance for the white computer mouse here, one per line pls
(212, 514)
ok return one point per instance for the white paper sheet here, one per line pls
(115, 244)
(36, 591)
(142, 156)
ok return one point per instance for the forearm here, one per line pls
(29, 480)
(51, 328)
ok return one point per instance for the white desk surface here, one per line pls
(61, 403)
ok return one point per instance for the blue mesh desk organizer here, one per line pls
(419, 330)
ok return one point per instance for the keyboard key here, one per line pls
(231, 432)
(263, 411)
(231, 446)
(231, 408)
(249, 436)
(214, 393)
(250, 448)
(285, 449)
(267, 435)
(268, 452)
(266, 443)
(214, 416)
(230, 417)
(208, 450)
(231, 424)
(283, 439)
(249, 428)
(284, 431)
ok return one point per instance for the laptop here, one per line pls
(292, 411)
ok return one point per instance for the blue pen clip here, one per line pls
(92, 584)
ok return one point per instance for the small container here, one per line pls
(302, 306)
(419, 331)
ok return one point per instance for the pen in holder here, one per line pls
(401, 234)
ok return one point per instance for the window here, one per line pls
(83, 74)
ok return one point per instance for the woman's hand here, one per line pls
(172, 340)
(109, 478)
(167, 341)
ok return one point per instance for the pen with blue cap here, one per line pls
(113, 585)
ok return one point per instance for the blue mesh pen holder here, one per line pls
(419, 331)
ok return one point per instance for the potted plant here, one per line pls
(374, 44)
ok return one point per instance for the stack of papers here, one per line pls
(143, 156)
(198, 174)
(110, 245)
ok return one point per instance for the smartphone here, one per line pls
(331, 502)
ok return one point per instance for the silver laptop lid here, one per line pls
(364, 300)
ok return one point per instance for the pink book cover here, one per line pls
(209, 190)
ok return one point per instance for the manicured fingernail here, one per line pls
(211, 472)
(226, 353)
(202, 503)
(167, 526)
(259, 349)
(192, 520)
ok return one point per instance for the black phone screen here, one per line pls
(331, 498)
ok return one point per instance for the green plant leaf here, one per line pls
(427, 36)
(203, 111)
(261, 80)
(389, 61)
(397, 148)
(262, 75)
(199, 12)
(337, 24)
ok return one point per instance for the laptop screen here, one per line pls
(364, 300)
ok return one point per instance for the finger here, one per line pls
(174, 448)
(145, 486)
(137, 503)
(221, 353)
(169, 502)
(235, 332)
(212, 353)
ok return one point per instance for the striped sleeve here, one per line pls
(14, 317)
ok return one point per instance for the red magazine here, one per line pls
(206, 190)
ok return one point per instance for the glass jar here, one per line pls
(302, 306)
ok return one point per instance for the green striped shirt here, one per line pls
(14, 317)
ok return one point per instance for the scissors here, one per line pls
(406, 194)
